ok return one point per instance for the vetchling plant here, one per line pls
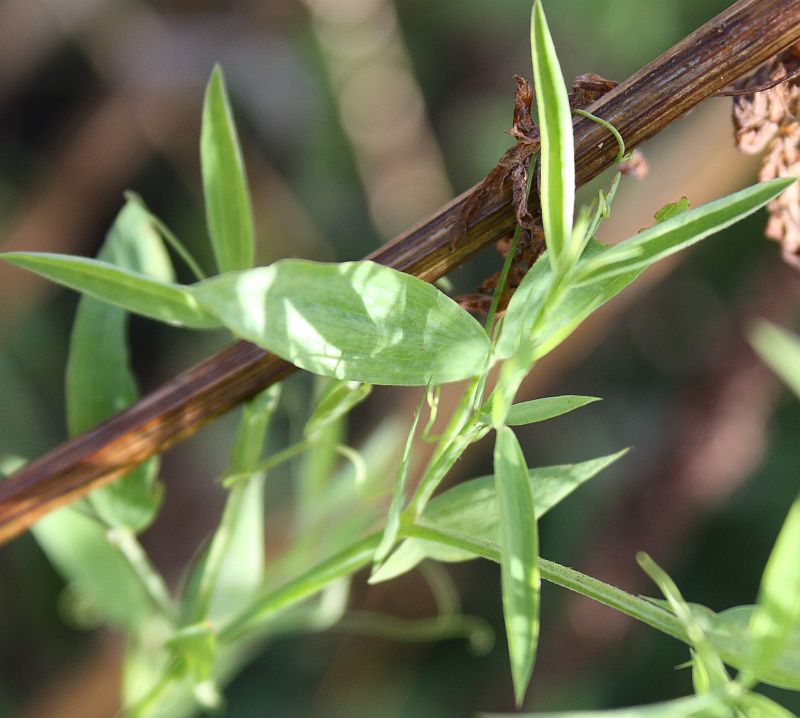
(356, 324)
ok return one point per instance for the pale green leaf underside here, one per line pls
(136, 293)
(470, 508)
(228, 212)
(356, 320)
(679, 232)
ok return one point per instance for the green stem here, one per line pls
(270, 462)
(125, 541)
(342, 564)
(176, 244)
(633, 606)
(613, 130)
(419, 630)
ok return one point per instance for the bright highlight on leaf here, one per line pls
(558, 153)
(519, 558)
(228, 212)
(357, 320)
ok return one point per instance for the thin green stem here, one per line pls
(613, 130)
(125, 541)
(633, 606)
(270, 462)
(501, 282)
(342, 564)
(419, 630)
(176, 244)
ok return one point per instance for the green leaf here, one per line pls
(754, 704)
(557, 153)
(681, 231)
(357, 320)
(519, 562)
(577, 303)
(694, 706)
(779, 350)
(672, 209)
(228, 212)
(728, 632)
(545, 408)
(470, 508)
(196, 645)
(399, 494)
(336, 401)
(99, 381)
(230, 571)
(136, 293)
(708, 670)
(777, 616)
(94, 570)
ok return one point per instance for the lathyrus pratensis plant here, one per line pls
(359, 324)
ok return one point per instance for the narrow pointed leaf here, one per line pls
(228, 212)
(577, 303)
(683, 230)
(470, 508)
(519, 551)
(529, 412)
(339, 398)
(357, 320)
(399, 494)
(230, 571)
(557, 154)
(99, 381)
(780, 350)
(777, 616)
(136, 293)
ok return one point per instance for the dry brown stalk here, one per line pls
(724, 49)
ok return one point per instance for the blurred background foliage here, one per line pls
(358, 117)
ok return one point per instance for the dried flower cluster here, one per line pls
(765, 120)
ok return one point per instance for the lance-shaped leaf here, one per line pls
(557, 153)
(470, 509)
(230, 569)
(780, 350)
(776, 619)
(548, 407)
(99, 381)
(679, 232)
(519, 558)
(577, 303)
(137, 293)
(357, 320)
(399, 493)
(228, 212)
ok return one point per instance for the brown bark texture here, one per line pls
(724, 49)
